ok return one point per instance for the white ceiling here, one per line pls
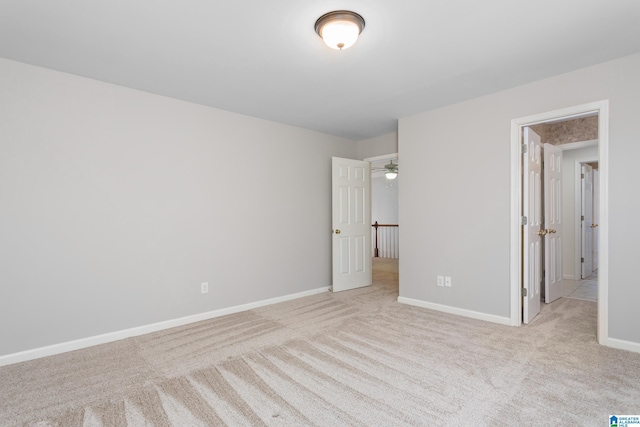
(262, 57)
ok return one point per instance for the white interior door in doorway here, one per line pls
(351, 218)
(532, 230)
(552, 190)
(596, 216)
(587, 221)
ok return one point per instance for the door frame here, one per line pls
(515, 273)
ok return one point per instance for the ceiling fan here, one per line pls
(390, 170)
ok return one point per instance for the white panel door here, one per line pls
(596, 216)
(351, 217)
(552, 223)
(532, 209)
(587, 221)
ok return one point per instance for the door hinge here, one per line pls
(581, 259)
(524, 292)
(581, 217)
(524, 220)
(582, 175)
(523, 148)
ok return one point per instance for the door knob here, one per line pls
(552, 231)
(594, 225)
(337, 231)
(542, 232)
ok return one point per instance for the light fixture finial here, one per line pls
(339, 29)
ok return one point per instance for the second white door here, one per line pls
(552, 223)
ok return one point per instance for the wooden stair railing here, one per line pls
(376, 226)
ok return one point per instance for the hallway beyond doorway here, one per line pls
(585, 289)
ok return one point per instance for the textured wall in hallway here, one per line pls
(576, 130)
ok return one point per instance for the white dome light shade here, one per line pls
(391, 175)
(339, 29)
(340, 34)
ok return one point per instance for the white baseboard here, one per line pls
(455, 310)
(623, 345)
(569, 277)
(64, 347)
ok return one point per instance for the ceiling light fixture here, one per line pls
(339, 29)
(392, 170)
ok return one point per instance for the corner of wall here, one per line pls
(377, 146)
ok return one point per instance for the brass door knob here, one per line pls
(552, 231)
(542, 232)
(337, 231)
(594, 225)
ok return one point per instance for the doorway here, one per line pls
(581, 221)
(385, 220)
(384, 206)
(517, 214)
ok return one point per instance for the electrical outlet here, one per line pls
(447, 281)
(204, 288)
(440, 280)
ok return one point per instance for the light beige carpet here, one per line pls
(356, 358)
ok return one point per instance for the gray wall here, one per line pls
(455, 193)
(378, 146)
(116, 204)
